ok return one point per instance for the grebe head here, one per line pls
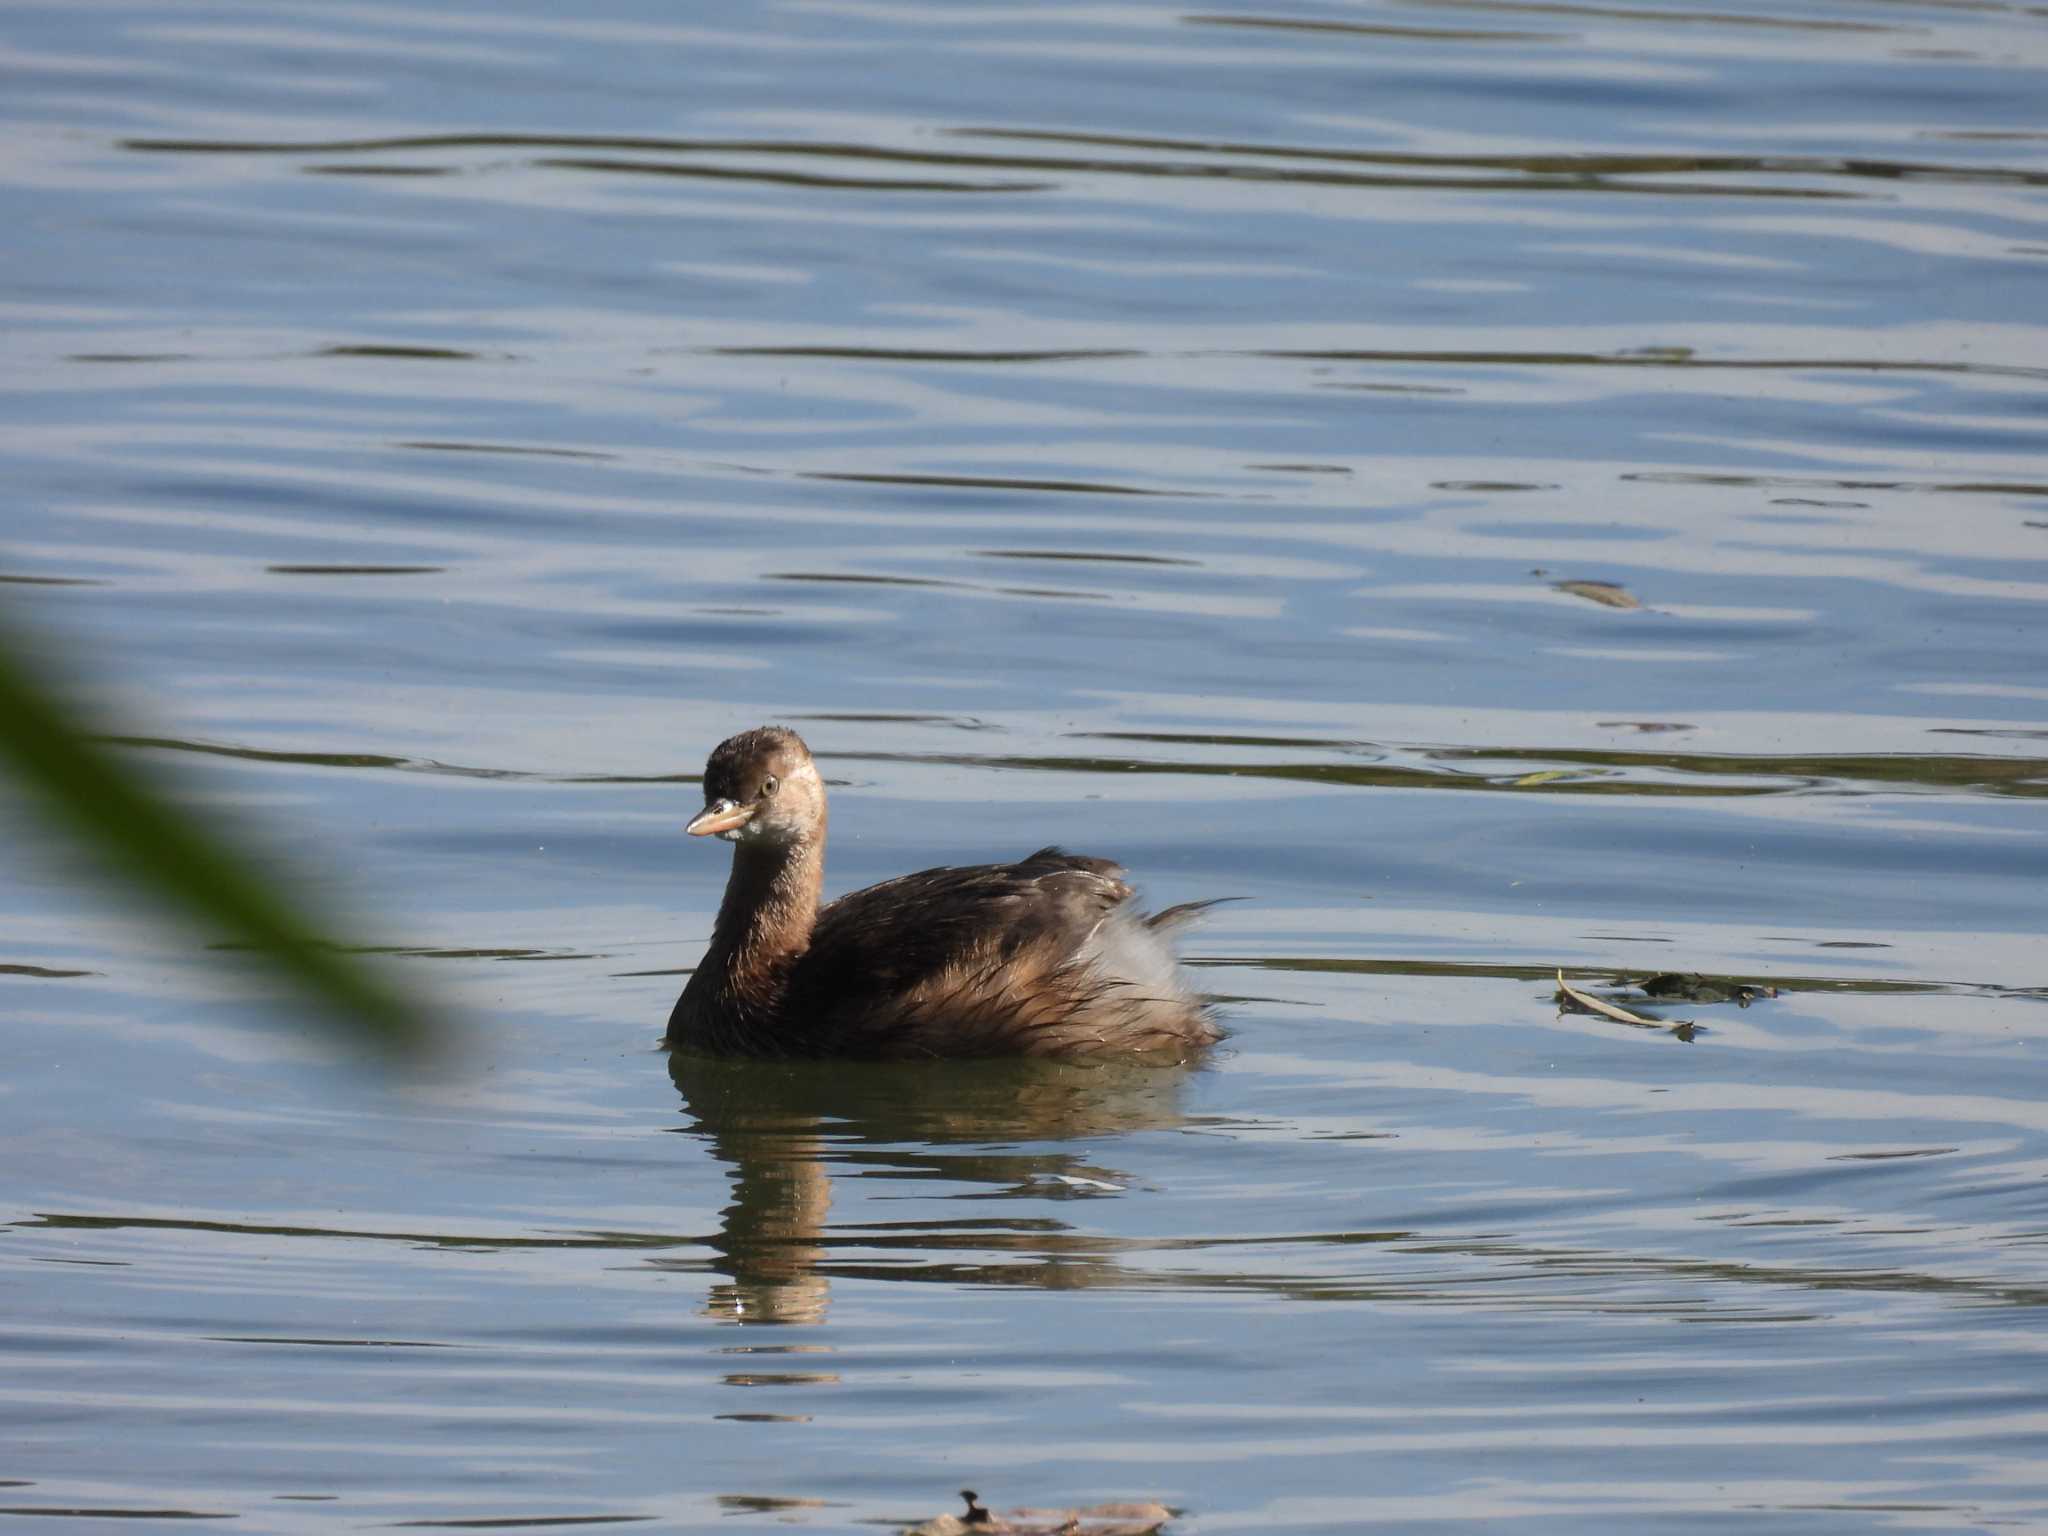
(761, 787)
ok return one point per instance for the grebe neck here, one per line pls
(764, 924)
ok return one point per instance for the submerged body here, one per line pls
(1044, 957)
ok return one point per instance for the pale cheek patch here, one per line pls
(761, 829)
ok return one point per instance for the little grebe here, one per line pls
(1046, 957)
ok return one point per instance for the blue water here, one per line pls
(1185, 436)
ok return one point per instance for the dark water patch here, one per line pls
(62, 1221)
(1389, 389)
(43, 972)
(922, 354)
(402, 352)
(115, 1512)
(1550, 173)
(1762, 481)
(1000, 483)
(380, 761)
(1364, 29)
(518, 1522)
(1674, 359)
(1507, 1277)
(85, 1263)
(426, 141)
(416, 952)
(768, 1503)
(1237, 739)
(1674, 16)
(379, 170)
(1589, 166)
(51, 581)
(1618, 772)
(871, 717)
(1056, 594)
(852, 578)
(1361, 776)
(258, 491)
(429, 952)
(1102, 557)
(375, 760)
(514, 449)
(1472, 970)
(811, 180)
(631, 778)
(356, 570)
(328, 1343)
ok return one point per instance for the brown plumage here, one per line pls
(1045, 957)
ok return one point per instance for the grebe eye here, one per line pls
(768, 786)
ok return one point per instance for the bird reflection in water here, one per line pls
(996, 1128)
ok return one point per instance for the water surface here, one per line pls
(1505, 488)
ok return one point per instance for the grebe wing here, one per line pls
(892, 936)
(1047, 956)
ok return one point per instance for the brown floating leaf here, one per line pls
(1605, 593)
(1124, 1519)
(1695, 988)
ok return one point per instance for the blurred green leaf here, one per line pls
(163, 850)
